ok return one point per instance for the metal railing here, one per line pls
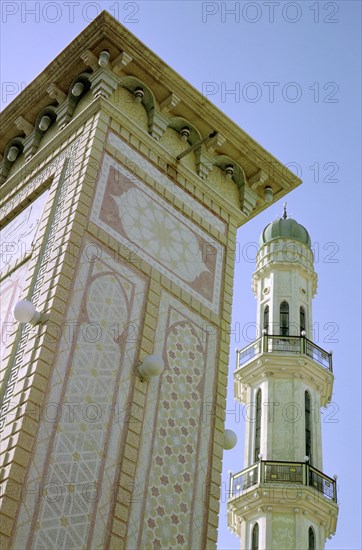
(270, 471)
(284, 344)
(244, 480)
(278, 472)
(249, 352)
(322, 483)
(318, 354)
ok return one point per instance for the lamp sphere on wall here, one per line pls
(24, 312)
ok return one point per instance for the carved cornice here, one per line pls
(264, 499)
(283, 366)
(172, 94)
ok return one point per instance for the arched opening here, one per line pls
(308, 426)
(266, 318)
(257, 426)
(284, 318)
(311, 539)
(302, 319)
(255, 537)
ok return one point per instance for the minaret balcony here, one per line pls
(282, 473)
(283, 357)
(284, 344)
(269, 487)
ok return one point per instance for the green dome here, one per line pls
(285, 228)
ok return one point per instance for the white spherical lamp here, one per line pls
(230, 440)
(152, 365)
(25, 312)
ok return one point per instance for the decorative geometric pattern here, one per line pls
(132, 213)
(164, 237)
(174, 456)
(138, 160)
(16, 238)
(75, 464)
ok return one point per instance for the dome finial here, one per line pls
(285, 211)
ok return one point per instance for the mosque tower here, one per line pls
(121, 192)
(283, 499)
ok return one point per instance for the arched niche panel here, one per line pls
(248, 198)
(157, 121)
(179, 123)
(78, 88)
(10, 156)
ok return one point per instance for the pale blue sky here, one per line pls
(319, 52)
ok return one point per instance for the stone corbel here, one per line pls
(90, 60)
(169, 103)
(121, 61)
(24, 125)
(157, 123)
(4, 169)
(215, 143)
(56, 93)
(248, 199)
(63, 115)
(31, 144)
(204, 162)
(258, 179)
(248, 195)
(103, 83)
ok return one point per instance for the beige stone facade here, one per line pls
(126, 251)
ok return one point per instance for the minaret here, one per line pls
(282, 499)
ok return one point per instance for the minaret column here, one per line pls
(282, 499)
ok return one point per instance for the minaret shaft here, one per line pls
(283, 422)
(282, 499)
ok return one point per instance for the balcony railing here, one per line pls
(284, 344)
(267, 471)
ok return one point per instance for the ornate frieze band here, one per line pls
(138, 160)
